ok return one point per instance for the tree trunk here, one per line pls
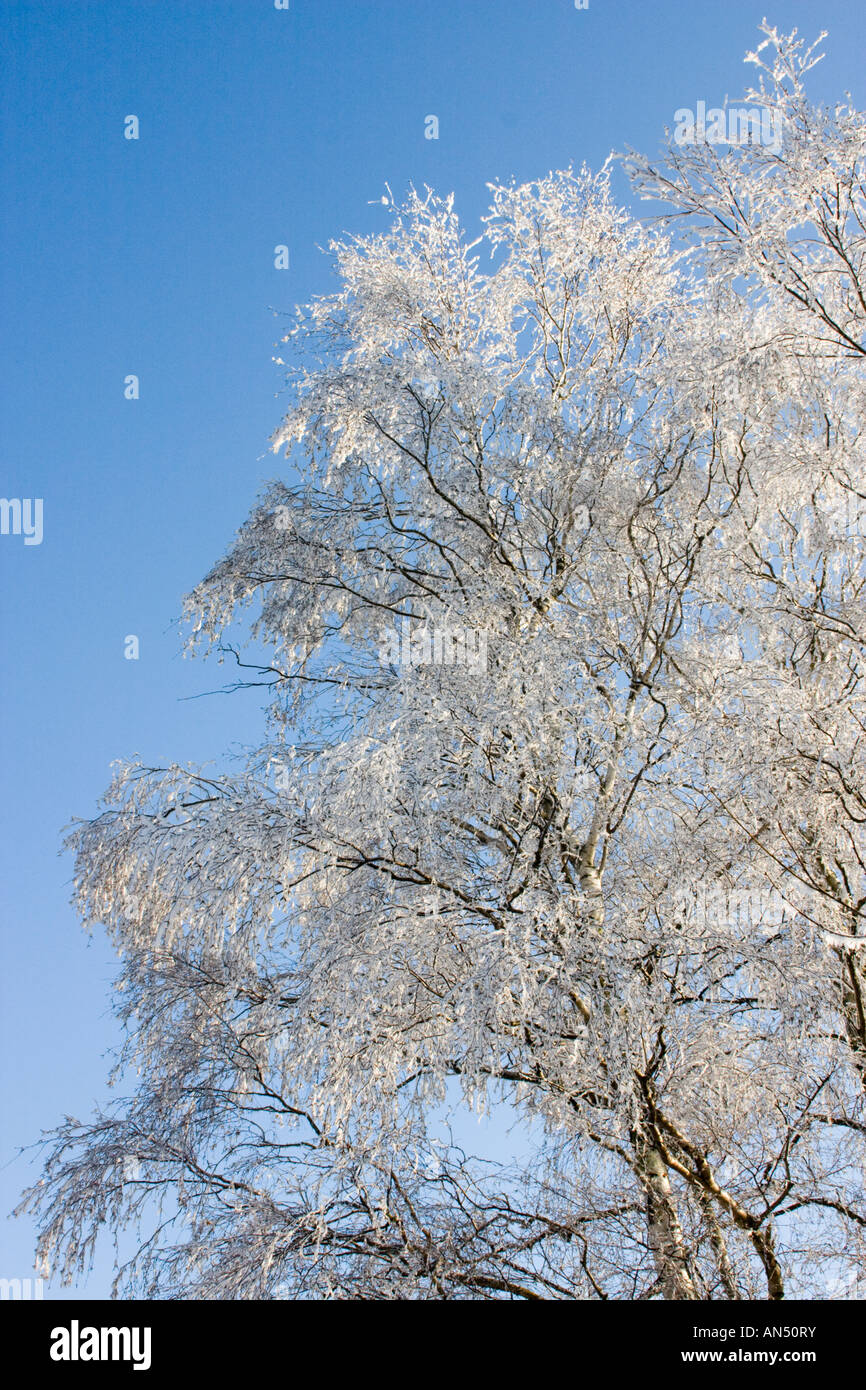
(663, 1225)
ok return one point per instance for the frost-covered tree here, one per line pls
(559, 807)
(792, 225)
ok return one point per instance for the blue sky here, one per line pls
(258, 127)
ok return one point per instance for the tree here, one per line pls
(560, 801)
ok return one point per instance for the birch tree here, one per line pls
(557, 807)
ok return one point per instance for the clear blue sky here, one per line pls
(155, 257)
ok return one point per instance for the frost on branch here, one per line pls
(605, 881)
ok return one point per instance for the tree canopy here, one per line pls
(611, 878)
